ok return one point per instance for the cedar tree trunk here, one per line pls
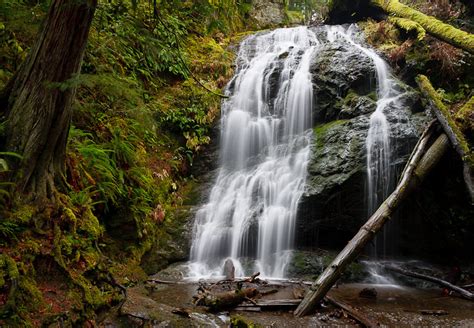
(40, 99)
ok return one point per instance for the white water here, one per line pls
(380, 175)
(265, 146)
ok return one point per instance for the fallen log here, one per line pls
(273, 303)
(454, 133)
(167, 282)
(248, 309)
(226, 300)
(463, 292)
(433, 26)
(423, 159)
(353, 312)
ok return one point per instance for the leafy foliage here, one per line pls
(138, 123)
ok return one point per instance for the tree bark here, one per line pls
(40, 99)
(455, 135)
(418, 167)
(433, 26)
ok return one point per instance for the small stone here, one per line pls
(229, 270)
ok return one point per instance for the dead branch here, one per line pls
(463, 292)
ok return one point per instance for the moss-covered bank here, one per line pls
(139, 122)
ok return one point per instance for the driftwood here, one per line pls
(248, 308)
(423, 159)
(167, 282)
(253, 278)
(463, 292)
(225, 300)
(353, 312)
(454, 133)
(273, 303)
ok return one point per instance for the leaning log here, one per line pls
(461, 291)
(353, 312)
(454, 133)
(433, 26)
(422, 161)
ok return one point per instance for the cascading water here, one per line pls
(265, 145)
(380, 175)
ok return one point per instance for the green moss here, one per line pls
(465, 116)
(24, 214)
(23, 295)
(428, 90)
(238, 321)
(295, 17)
(321, 129)
(409, 26)
(432, 25)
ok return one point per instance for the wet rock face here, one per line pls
(335, 70)
(333, 206)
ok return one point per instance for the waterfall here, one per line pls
(380, 174)
(266, 134)
(265, 144)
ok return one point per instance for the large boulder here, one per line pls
(334, 205)
(338, 72)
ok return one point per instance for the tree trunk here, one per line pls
(433, 26)
(40, 99)
(455, 135)
(418, 167)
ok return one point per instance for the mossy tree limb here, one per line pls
(409, 26)
(453, 132)
(433, 26)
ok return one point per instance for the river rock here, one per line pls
(229, 270)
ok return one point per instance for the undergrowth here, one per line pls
(139, 121)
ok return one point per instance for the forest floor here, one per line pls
(171, 305)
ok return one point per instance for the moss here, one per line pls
(465, 116)
(321, 129)
(24, 214)
(89, 224)
(435, 27)
(239, 321)
(23, 294)
(409, 26)
(433, 96)
(295, 17)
